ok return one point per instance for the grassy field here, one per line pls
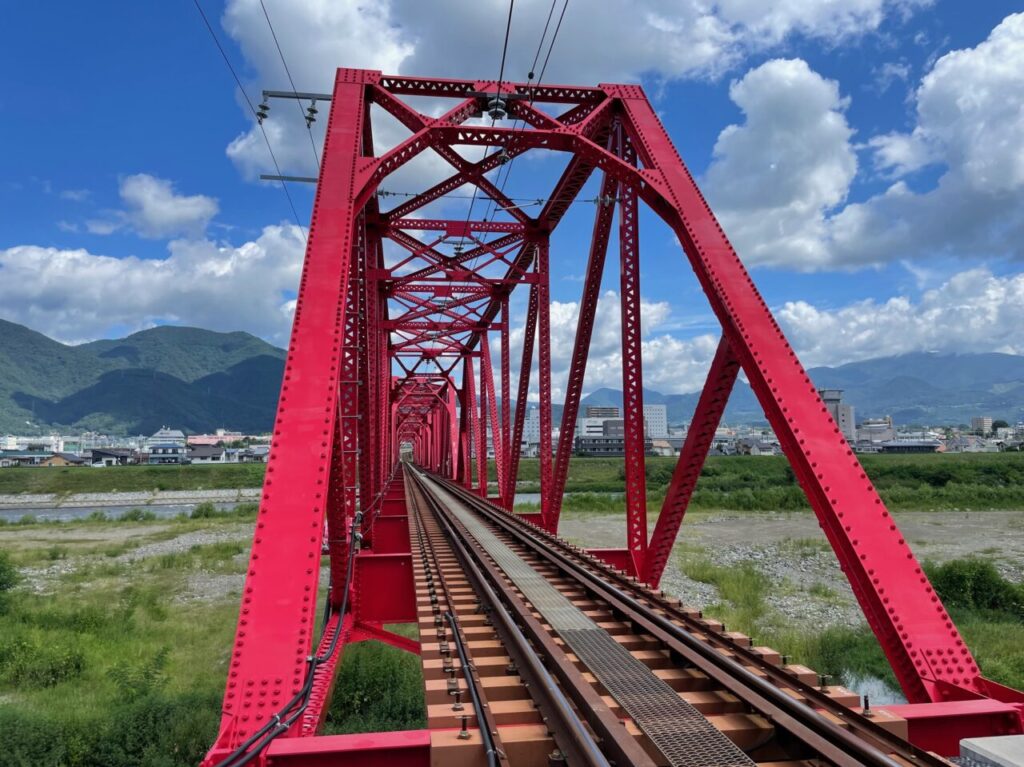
(125, 479)
(112, 661)
(966, 481)
(988, 610)
(738, 483)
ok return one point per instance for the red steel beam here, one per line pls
(544, 380)
(923, 646)
(275, 626)
(632, 370)
(581, 346)
(708, 414)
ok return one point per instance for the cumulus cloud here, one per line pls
(970, 117)
(450, 38)
(779, 181)
(75, 295)
(670, 364)
(774, 179)
(154, 210)
(973, 310)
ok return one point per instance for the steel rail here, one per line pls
(863, 743)
(484, 718)
(570, 733)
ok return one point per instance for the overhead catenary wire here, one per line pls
(266, 139)
(533, 68)
(287, 71)
(497, 105)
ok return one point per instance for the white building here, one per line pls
(166, 436)
(590, 427)
(841, 413)
(531, 427)
(656, 421)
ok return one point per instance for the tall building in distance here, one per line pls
(656, 421)
(602, 411)
(531, 427)
(981, 424)
(841, 413)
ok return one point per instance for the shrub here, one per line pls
(138, 515)
(976, 584)
(25, 663)
(9, 576)
(204, 510)
(137, 680)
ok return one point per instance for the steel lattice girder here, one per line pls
(344, 412)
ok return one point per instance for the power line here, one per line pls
(497, 106)
(252, 109)
(309, 124)
(533, 68)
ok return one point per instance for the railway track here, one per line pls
(536, 653)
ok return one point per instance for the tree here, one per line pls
(999, 424)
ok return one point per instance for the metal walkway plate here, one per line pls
(682, 734)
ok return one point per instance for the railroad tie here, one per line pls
(682, 734)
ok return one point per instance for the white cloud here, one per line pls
(75, 195)
(774, 178)
(154, 210)
(452, 38)
(972, 311)
(670, 364)
(74, 295)
(779, 181)
(970, 117)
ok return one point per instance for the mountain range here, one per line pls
(188, 378)
(198, 380)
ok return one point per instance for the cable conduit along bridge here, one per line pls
(534, 651)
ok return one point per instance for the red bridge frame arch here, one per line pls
(368, 372)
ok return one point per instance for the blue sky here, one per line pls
(863, 155)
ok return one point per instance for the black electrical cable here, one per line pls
(285, 717)
(497, 105)
(533, 68)
(252, 109)
(540, 78)
(309, 126)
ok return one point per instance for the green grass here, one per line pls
(988, 610)
(131, 478)
(754, 483)
(367, 669)
(111, 669)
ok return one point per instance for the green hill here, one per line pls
(192, 378)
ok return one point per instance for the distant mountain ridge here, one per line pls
(921, 388)
(199, 380)
(190, 378)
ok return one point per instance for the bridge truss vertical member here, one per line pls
(506, 414)
(275, 626)
(544, 380)
(584, 331)
(632, 367)
(708, 414)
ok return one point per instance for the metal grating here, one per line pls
(682, 734)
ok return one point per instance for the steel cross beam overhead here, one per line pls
(396, 321)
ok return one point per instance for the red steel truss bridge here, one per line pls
(379, 506)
